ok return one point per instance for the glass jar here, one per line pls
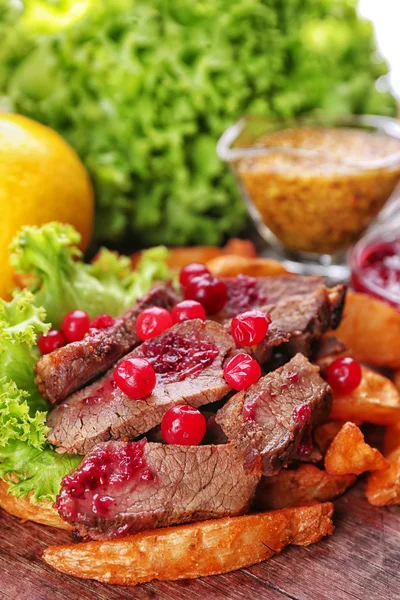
(314, 185)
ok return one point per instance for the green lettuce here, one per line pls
(27, 461)
(21, 322)
(50, 264)
(35, 471)
(16, 420)
(143, 90)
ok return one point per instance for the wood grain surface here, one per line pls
(361, 561)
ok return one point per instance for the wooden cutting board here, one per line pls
(361, 561)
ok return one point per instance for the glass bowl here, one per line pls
(375, 263)
(314, 185)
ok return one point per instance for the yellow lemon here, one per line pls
(41, 179)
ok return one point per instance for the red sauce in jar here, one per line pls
(376, 270)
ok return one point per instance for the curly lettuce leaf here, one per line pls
(49, 259)
(16, 421)
(30, 470)
(21, 322)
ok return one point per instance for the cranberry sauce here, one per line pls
(102, 394)
(175, 357)
(243, 294)
(302, 414)
(249, 411)
(89, 491)
(376, 270)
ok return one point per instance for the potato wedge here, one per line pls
(349, 454)
(301, 485)
(324, 434)
(194, 550)
(376, 400)
(24, 509)
(383, 487)
(396, 379)
(230, 266)
(392, 438)
(371, 329)
(181, 256)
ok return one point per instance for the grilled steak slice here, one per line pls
(298, 322)
(302, 320)
(246, 292)
(188, 361)
(125, 487)
(273, 417)
(65, 370)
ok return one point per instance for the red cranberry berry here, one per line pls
(135, 377)
(241, 371)
(186, 310)
(250, 327)
(152, 322)
(302, 413)
(210, 291)
(51, 341)
(75, 325)
(183, 425)
(190, 271)
(344, 375)
(102, 322)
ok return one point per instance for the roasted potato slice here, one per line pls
(383, 487)
(181, 256)
(396, 379)
(392, 438)
(376, 400)
(324, 434)
(349, 454)
(230, 266)
(43, 513)
(194, 550)
(371, 329)
(293, 487)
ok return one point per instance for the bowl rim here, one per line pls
(355, 255)
(386, 125)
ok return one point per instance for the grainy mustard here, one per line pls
(323, 202)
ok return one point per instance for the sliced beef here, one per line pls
(125, 487)
(303, 320)
(188, 360)
(65, 370)
(246, 292)
(272, 420)
(298, 322)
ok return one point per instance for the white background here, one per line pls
(385, 15)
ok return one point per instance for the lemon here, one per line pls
(41, 179)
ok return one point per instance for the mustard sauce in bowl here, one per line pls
(316, 186)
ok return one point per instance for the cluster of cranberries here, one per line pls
(75, 325)
(204, 294)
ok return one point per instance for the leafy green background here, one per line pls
(144, 89)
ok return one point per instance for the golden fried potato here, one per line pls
(371, 329)
(230, 266)
(350, 454)
(383, 487)
(293, 487)
(376, 400)
(392, 438)
(194, 550)
(324, 434)
(43, 513)
(181, 256)
(396, 379)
